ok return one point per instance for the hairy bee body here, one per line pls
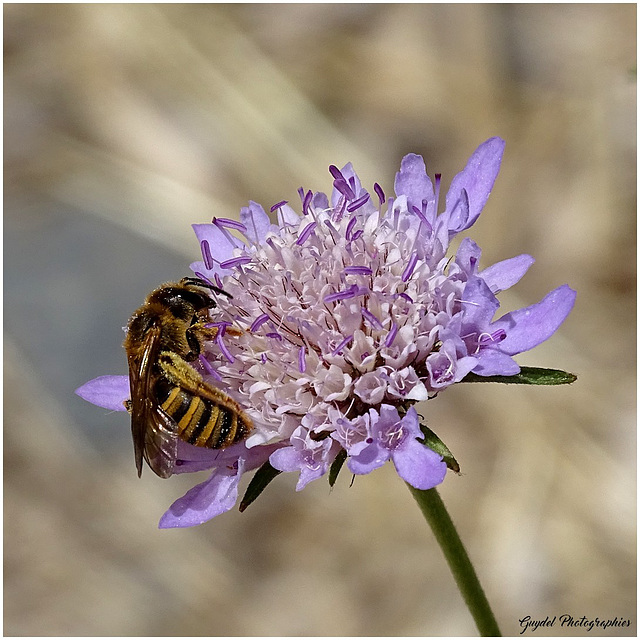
(170, 400)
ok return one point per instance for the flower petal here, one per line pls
(367, 459)
(528, 327)
(502, 275)
(477, 179)
(491, 362)
(221, 243)
(412, 180)
(206, 500)
(415, 463)
(468, 256)
(258, 224)
(109, 392)
(480, 305)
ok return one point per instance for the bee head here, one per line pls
(182, 301)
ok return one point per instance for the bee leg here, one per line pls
(197, 334)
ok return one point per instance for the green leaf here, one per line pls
(432, 441)
(527, 375)
(262, 477)
(336, 465)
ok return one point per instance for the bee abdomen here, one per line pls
(201, 422)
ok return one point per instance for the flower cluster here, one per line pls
(349, 313)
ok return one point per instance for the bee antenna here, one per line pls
(199, 282)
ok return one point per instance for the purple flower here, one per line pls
(389, 437)
(348, 313)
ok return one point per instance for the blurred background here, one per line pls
(124, 124)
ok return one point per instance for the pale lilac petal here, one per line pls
(257, 222)
(464, 366)
(320, 201)
(288, 217)
(468, 256)
(479, 303)
(352, 179)
(418, 465)
(477, 179)
(206, 500)
(528, 327)
(491, 362)
(412, 180)
(109, 392)
(296, 459)
(367, 459)
(221, 243)
(502, 275)
(286, 459)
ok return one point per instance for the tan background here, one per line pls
(126, 123)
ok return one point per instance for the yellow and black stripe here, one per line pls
(201, 421)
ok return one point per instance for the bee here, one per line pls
(170, 400)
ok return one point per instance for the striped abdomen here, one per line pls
(201, 421)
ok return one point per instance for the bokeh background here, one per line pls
(124, 124)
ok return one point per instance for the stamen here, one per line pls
(356, 235)
(306, 232)
(342, 345)
(406, 297)
(371, 318)
(438, 176)
(208, 368)
(356, 204)
(277, 205)
(335, 235)
(228, 222)
(302, 361)
(339, 210)
(350, 225)
(206, 254)
(343, 187)
(357, 270)
(421, 215)
(379, 192)
(275, 335)
(406, 274)
(391, 335)
(352, 292)
(335, 172)
(258, 322)
(223, 348)
(235, 262)
(487, 338)
(306, 202)
(217, 279)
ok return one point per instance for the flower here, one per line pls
(350, 313)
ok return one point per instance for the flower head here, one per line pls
(349, 313)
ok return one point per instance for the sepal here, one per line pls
(261, 478)
(336, 465)
(434, 443)
(527, 375)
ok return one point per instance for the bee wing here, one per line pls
(155, 434)
(161, 443)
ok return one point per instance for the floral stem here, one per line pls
(436, 514)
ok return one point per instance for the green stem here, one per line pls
(436, 514)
